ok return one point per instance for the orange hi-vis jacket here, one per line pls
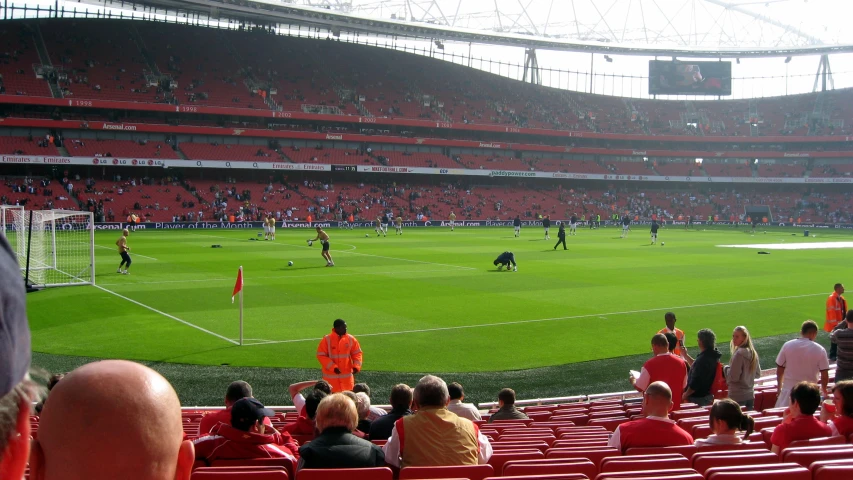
(343, 353)
(836, 309)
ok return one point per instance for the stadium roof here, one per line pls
(699, 28)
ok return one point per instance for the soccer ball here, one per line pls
(290, 264)
(662, 243)
(366, 235)
(310, 243)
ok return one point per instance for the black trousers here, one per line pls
(125, 259)
(563, 241)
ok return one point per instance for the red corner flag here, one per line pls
(238, 287)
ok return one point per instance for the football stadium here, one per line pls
(566, 240)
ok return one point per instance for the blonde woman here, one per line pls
(743, 368)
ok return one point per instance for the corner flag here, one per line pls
(238, 287)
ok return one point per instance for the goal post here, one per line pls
(10, 215)
(55, 247)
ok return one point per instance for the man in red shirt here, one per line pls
(800, 423)
(236, 391)
(656, 430)
(246, 437)
(664, 367)
(304, 425)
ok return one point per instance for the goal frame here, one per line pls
(48, 230)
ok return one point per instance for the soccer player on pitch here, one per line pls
(573, 224)
(378, 226)
(384, 224)
(654, 231)
(324, 240)
(398, 223)
(505, 260)
(452, 218)
(517, 224)
(546, 224)
(626, 225)
(123, 250)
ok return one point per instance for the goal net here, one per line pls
(55, 247)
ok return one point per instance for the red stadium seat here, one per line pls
(588, 442)
(245, 475)
(380, 473)
(287, 463)
(650, 474)
(536, 467)
(780, 471)
(815, 442)
(520, 445)
(555, 476)
(806, 455)
(500, 457)
(686, 450)
(643, 462)
(471, 472)
(594, 454)
(833, 472)
(609, 423)
(702, 461)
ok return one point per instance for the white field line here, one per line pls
(363, 254)
(539, 320)
(167, 315)
(134, 254)
(249, 279)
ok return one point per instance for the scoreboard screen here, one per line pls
(689, 78)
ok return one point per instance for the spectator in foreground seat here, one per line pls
(304, 425)
(507, 410)
(17, 392)
(656, 429)
(435, 435)
(112, 419)
(799, 423)
(725, 420)
(299, 399)
(336, 446)
(464, 410)
(664, 367)
(236, 391)
(375, 412)
(801, 360)
(401, 404)
(246, 437)
(703, 369)
(743, 368)
(362, 408)
(842, 337)
(840, 421)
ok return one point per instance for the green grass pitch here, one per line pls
(431, 301)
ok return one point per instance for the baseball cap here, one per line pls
(246, 411)
(14, 331)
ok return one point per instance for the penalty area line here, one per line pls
(167, 315)
(554, 319)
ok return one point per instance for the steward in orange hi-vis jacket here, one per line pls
(340, 356)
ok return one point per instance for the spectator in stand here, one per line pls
(401, 404)
(842, 336)
(51, 382)
(362, 407)
(336, 446)
(669, 319)
(800, 360)
(305, 424)
(235, 391)
(506, 407)
(375, 412)
(434, 435)
(663, 367)
(743, 369)
(702, 370)
(246, 437)
(725, 420)
(111, 419)
(298, 399)
(839, 415)
(656, 429)
(800, 423)
(464, 410)
(17, 392)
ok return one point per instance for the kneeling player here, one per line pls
(324, 240)
(505, 260)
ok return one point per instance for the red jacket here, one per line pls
(220, 416)
(227, 443)
(302, 426)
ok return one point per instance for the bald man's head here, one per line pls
(112, 419)
(657, 399)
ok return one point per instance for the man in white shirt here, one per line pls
(801, 360)
(299, 399)
(464, 410)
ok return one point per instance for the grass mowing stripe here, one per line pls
(249, 279)
(554, 319)
(135, 254)
(167, 315)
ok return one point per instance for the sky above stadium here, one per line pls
(706, 23)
